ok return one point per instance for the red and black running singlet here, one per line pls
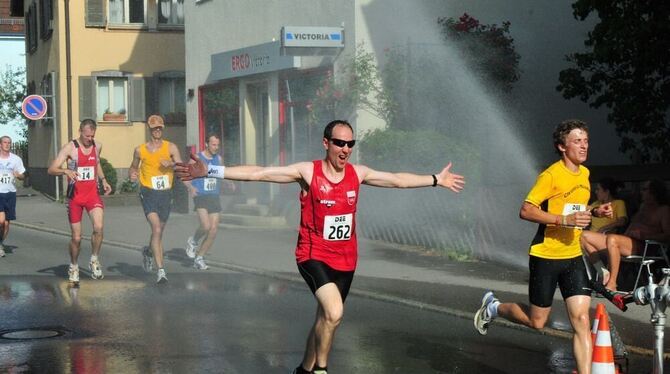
(328, 220)
(86, 168)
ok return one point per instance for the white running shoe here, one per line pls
(191, 247)
(96, 269)
(161, 277)
(200, 264)
(2, 250)
(482, 317)
(73, 275)
(147, 260)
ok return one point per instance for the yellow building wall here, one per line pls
(129, 49)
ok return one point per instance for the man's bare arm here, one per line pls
(277, 174)
(55, 167)
(134, 165)
(445, 179)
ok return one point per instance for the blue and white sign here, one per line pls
(320, 37)
(34, 107)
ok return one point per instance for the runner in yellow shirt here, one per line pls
(557, 202)
(153, 164)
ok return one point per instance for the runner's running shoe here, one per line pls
(200, 264)
(2, 250)
(96, 269)
(73, 275)
(482, 317)
(161, 277)
(300, 370)
(147, 260)
(191, 247)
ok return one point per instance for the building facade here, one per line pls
(116, 61)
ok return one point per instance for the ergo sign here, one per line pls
(240, 62)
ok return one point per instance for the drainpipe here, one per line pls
(68, 68)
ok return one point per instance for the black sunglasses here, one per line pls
(341, 143)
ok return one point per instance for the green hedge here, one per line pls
(110, 173)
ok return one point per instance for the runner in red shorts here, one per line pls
(82, 156)
(327, 252)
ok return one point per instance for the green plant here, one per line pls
(358, 85)
(110, 173)
(488, 49)
(127, 186)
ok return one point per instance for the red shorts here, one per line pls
(76, 206)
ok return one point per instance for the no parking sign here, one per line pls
(34, 107)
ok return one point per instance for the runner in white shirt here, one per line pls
(11, 168)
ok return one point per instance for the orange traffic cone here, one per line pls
(600, 310)
(603, 355)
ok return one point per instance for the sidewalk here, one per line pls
(385, 271)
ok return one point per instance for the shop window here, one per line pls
(172, 99)
(127, 11)
(219, 106)
(171, 12)
(298, 91)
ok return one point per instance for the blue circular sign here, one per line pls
(34, 107)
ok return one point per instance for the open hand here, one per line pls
(449, 180)
(189, 171)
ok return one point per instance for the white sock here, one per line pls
(94, 258)
(492, 309)
(74, 266)
(198, 257)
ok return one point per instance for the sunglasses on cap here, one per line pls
(341, 143)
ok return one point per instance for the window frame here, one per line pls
(110, 99)
(168, 26)
(126, 15)
(135, 91)
(172, 91)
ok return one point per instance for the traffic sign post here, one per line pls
(34, 107)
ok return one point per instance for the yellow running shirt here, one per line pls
(152, 174)
(562, 192)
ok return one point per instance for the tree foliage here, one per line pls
(357, 86)
(488, 49)
(12, 92)
(626, 69)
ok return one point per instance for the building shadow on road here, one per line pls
(60, 270)
(179, 255)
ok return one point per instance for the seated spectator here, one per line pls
(651, 222)
(606, 192)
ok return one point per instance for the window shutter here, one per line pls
(95, 13)
(87, 98)
(151, 88)
(136, 99)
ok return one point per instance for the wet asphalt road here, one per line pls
(219, 321)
